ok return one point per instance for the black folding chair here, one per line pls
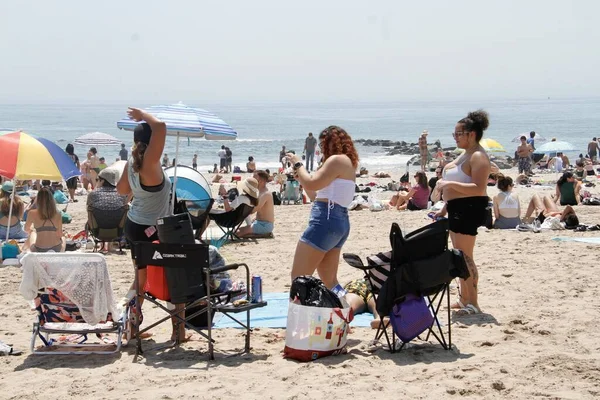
(200, 217)
(188, 275)
(230, 221)
(420, 264)
(106, 226)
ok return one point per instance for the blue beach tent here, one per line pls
(192, 187)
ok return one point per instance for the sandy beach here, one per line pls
(534, 339)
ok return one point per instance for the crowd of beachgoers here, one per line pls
(316, 206)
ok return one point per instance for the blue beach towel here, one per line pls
(274, 315)
(592, 240)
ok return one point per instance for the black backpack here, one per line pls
(276, 198)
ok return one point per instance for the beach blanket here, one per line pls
(212, 233)
(592, 240)
(274, 315)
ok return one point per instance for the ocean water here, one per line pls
(264, 127)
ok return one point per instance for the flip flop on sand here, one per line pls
(469, 309)
(8, 350)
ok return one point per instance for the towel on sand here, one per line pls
(592, 240)
(274, 315)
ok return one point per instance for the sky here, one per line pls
(273, 50)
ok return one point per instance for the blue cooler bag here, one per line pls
(9, 251)
(410, 318)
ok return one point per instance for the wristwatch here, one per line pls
(297, 165)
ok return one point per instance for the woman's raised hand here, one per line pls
(293, 158)
(135, 114)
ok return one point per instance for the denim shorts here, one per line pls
(328, 226)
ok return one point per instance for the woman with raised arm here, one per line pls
(331, 188)
(144, 178)
(464, 188)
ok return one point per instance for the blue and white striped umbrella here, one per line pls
(186, 121)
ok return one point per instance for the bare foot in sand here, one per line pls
(183, 339)
(376, 323)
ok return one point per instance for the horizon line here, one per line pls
(192, 102)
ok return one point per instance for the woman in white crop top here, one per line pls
(507, 207)
(464, 189)
(332, 189)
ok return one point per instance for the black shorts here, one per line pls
(412, 206)
(541, 218)
(467, 214)
(137, 233)
(72, 183)
(223, 163)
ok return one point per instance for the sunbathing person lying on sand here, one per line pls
(381, 174)
(547, 207)
(360, 298)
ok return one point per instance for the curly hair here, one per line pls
(336, 140)
(477, 121)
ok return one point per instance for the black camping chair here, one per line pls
(106, 226)
(188, 277)
(200, 217)
(421, 264)
(230, 221)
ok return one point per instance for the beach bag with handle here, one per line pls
(317, 323)
(316, 332)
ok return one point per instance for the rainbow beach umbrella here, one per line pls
(27, 157)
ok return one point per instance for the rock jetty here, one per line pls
(392, 148)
